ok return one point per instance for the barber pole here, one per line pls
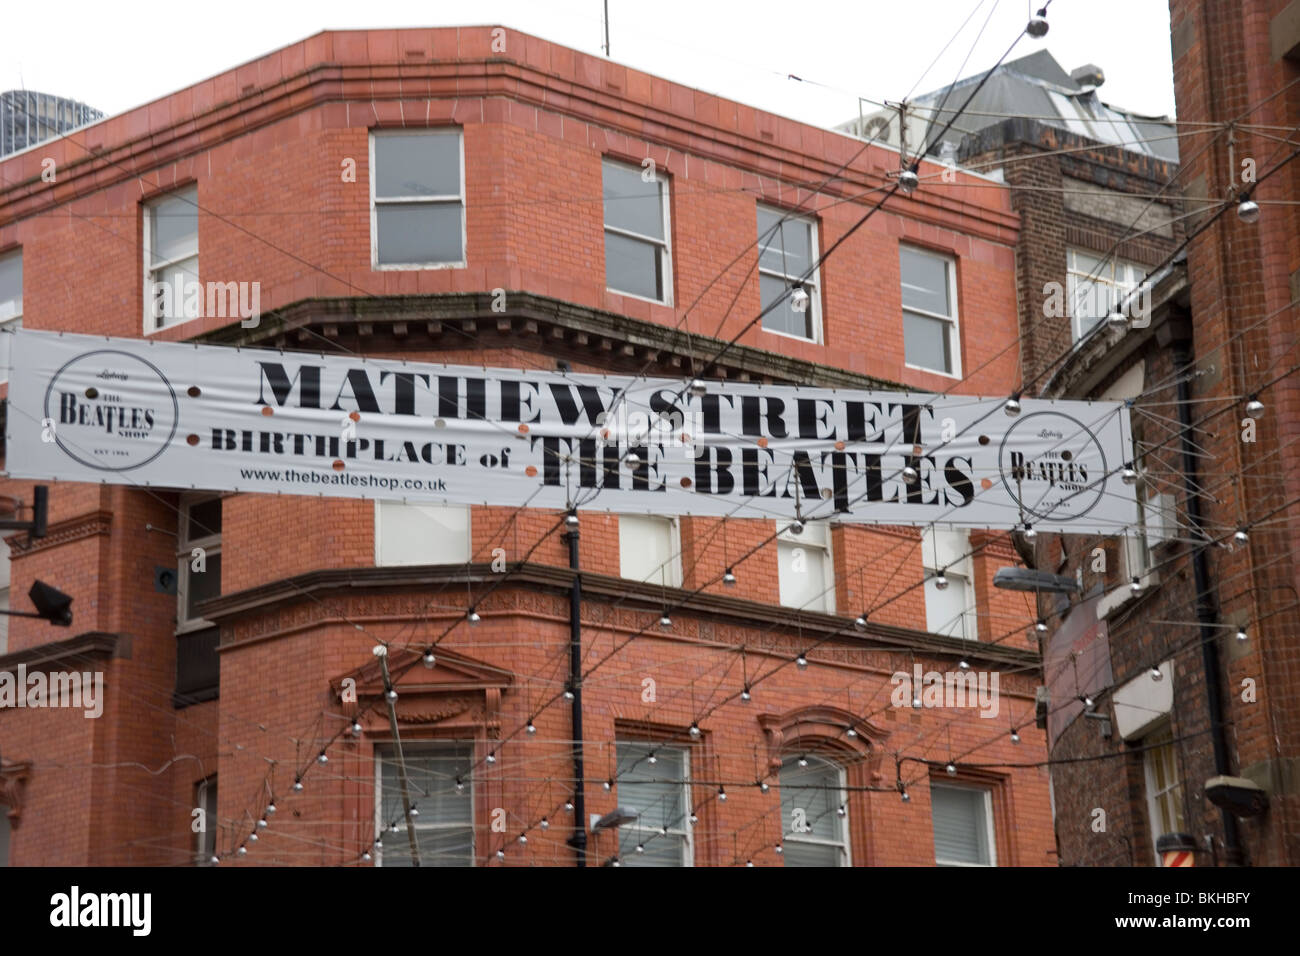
(1176, 849)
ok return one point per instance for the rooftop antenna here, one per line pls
(606, 27)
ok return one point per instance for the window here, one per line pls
(653, 781)
(929, 311)
(11, 306)
(637, 260)
(205, 799)
(649, 550)
(949, 610)
(1157, 524)
(444, 828)
(812, 799)
(4, 595)
(1094, 286)
(421, 534)
(806, 571)
(198, 559)
(963, 826)
(1164, 786)
(171, 260)
(417, 199)
(786, 251)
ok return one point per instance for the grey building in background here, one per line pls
(27, 118)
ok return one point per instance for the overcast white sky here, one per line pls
(118, 55)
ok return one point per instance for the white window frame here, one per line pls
(673, 573)
(954, 326)
(211, 545)
(688, 845)
(665, 245)
(991, 833)
(1133, 275)
(960, 571)
(203, 851)
(823, 553)
(468, 553)
(447, 199)
(14, 320)
(1160, 740)
(384, 751)
(151, 268)
(812, 284)
(841, 823)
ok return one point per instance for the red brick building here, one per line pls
(454, 195)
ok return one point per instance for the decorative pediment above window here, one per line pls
(822, 729)
(457, 691)
(13, 780)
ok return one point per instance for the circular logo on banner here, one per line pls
(1053, 466)
(112, 411)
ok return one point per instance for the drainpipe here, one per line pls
(1205, 606)
(579, 839)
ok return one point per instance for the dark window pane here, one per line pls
(198, 670)
(424, 165)
(631, 203)
(201, 585)
(204, 519)
(633, 266)
(925, 281)
(925, 342)
(419, 233)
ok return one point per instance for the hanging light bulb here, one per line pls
(803, 760)
(842, 811)
(801, 662)
(214, 859)
(666, 622)
(640, 847)
(908, 181)
(796, 526)
(744, 694)
(297, 784)
(698, 388)
(391, 693)
(1041, 626)
(963, 664)
(1248, 211)
(571, 519)
(252, 837)
(1241, 537)
(1037, 25)
(472, 616)
(1157, 674)
(763, 787)
(365, 857)
(492, 756)
(1136, 586)
(941, 581)
(952, 769)
(429, 659)
(460, 785)
(261, 824)
(379, 843)
(1030, 533)
(1088, 701)
(1116, 319)
(415, 812)
(778, 849)
(356, 728)
(1012, 405)
(799, 298)
(728, 578)
(531, 728)
(608, 785)
(692, 819)
(652, 758)
(916, 702)
(722, 794)
(1015, 736)
(545, 824)
(633, 460)
(749, 863)
(1254, 407)
(851, 732)
(906, 797)
(568, 693)
(695, 730)
(1129, 475)
(322, 758)
(271, 807)
(568, 806)
(910, 474)
(242, 851)
(1242, 636)
(523, 838)
(501, 854)
(860, 622)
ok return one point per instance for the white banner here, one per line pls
(130, 411)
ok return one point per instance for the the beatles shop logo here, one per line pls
(1062, 475)
(111, 410)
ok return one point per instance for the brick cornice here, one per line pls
(73, 650)
(73, 529)
(89, 162)
(814, 626)
(611, 341)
